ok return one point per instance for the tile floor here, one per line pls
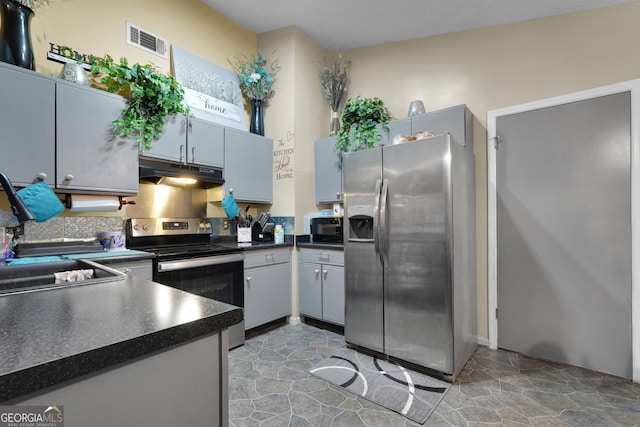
(269, 386)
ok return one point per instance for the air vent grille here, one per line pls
(146, 41)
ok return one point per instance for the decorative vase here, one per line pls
(73, 72)
(335, 123)
(15, 37)
(257, 117)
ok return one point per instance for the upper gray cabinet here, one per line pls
(88, 157)
(328, 173)
(189, 141)
(458, 121)
(248, 166)
(27, 123)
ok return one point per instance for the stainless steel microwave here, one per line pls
(326, 230)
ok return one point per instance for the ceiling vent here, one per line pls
(145, 40)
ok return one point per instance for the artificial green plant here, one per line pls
(151, 97)
(360, 117)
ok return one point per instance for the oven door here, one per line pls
(218, 277)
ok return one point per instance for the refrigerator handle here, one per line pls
(384, 236)
(376, 217)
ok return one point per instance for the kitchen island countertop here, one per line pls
(52, 336)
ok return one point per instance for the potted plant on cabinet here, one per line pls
(360, 117)
(151, 97)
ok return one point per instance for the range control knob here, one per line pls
(146, 227)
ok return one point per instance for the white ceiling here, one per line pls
(339, 25)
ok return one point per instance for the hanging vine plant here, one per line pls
(151, 97)
(360, 117)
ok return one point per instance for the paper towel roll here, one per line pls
(84, 203)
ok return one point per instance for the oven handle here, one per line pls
(199, 262)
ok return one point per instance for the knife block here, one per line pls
(258, 235)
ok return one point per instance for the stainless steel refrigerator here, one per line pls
(410, 259)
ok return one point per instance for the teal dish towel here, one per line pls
(41, 200)
(230, 206)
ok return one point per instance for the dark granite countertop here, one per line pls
(288, 242)
(304, 241)
(55, 335)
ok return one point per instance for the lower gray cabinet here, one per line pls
(267, 286)
(321, 284)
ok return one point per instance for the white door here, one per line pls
(563, 220)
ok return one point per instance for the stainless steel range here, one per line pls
(187, 260)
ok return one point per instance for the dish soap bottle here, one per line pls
(279, 234)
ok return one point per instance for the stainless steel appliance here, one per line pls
(410, 252)
(187, 260)
(325, 229)
(169, 173)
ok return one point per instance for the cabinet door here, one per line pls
(88, 156)
(333, 294)
(172, 144)
(328, 173)
(205, 143)
(453, 120)
(310, 290)
(396, 127)
(248, 166)
(267, 294)
(27, 125)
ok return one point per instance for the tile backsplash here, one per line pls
(61, 229)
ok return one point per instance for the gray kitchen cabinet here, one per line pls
(328, 173)
(321, 284)
(248, 166)
(28, 125)
(89, 158)
(189, 140)
(456, 120)
(396, 127)
(267, 286)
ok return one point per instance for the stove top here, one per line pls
(174, 237)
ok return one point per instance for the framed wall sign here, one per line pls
(211, 91)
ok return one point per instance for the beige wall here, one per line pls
(291, 119)
(498, 67)
(98, 27)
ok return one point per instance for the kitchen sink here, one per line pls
(42, 276)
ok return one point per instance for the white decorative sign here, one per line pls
(211, 92)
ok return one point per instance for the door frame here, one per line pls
(632, 86)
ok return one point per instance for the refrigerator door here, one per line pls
(417, 283)
(362, 267)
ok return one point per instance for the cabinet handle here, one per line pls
(182, 152)
(273, 257)
(193, 155)
(249, 281)
(68, 177)
(324, 274)
(42, 176)
(317, 272)
(338, 196)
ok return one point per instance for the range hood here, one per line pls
(180, 175)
